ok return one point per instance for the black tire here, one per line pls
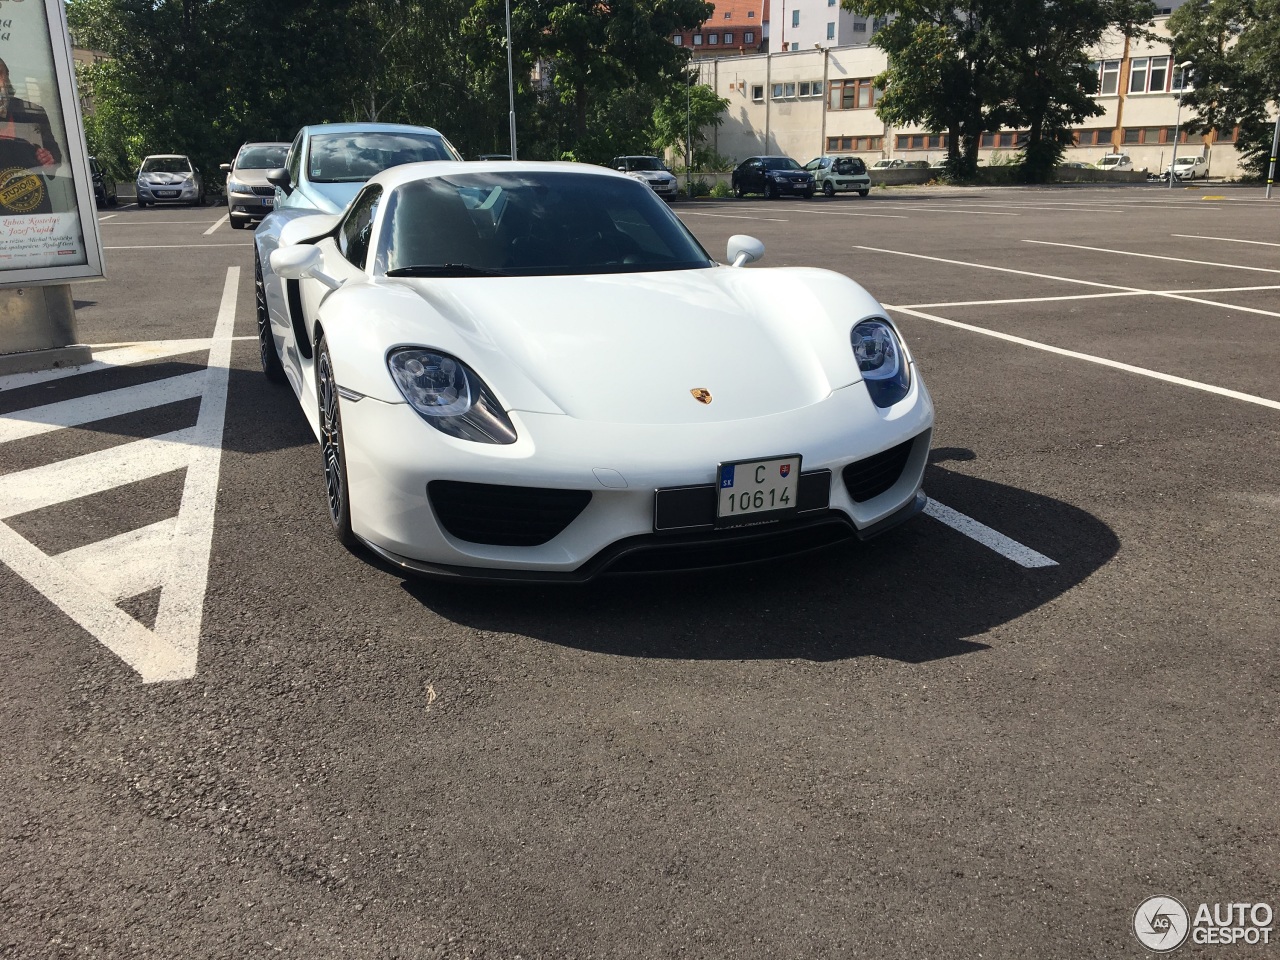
(863, 193)
(808, 194)
(272, 368)
(738, 191)
(828, 189)
(331, 444)
(770, 191)
(113, 200)
(142, 204)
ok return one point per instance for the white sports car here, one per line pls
(533, 371)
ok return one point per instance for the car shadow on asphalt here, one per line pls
(918, 593)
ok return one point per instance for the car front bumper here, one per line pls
(168, 193)
(249, 206)
(392, 456)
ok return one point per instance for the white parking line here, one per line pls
(847, 213)
(107, 217)
(731, 216)
(1103, 361)
(1154, 256)
(1195, 236)
(913, 206)
(1086, 296)
(1086, 283)
(153, 223)
(217, 223)
(1011, 549)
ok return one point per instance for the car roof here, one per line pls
(264, 143)
(166, 156)
(409, 172)
(312, 129)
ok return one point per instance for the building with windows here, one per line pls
(735, 28)
(810, 101)
(806, 24)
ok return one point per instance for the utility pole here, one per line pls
(688, 132)
(1275, 151)
(511, 84)
(1177, 121)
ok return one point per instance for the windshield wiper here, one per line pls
(445, 270)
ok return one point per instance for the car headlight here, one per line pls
(448, 395)
(235, 186)
(882, 360)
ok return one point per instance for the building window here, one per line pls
(1108, 77)
(831, 30)
(728, 39)
(853, 94)
(1138, 75)
(748, 37)
(726, 16)
(790, 89)
(811, 88)
(1094, 137)
(713, 38)
(795, 18)
(1132, 135)
(831, 3)
(776, 92)
(757, 92)
(1181, 79)
(751, 14)
(1223, 136)
(697, 39)
(678, 40)
(842, 144)
(879, 23)
(859, 26)
(1159, 74)
(915, 141)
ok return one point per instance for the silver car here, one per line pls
(651, 170)
(249, 196)
(169, 178)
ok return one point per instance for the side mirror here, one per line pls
(225, 168)
(743, 250)
(279, 177)
(621, 169)
(302, 262)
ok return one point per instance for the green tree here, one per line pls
(683, 114)
(947, 70)
(1047, 47)
(1234, 49)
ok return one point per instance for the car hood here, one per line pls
(165, 177)
(325, 197)
(250, 178)
(632, 348)
(653, 174)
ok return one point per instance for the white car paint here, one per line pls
(595, 372)
(1188, 168)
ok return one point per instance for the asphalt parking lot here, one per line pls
(991, 732)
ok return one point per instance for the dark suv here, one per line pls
(772, 176)
(104, 185)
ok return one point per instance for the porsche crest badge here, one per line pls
(701, 394)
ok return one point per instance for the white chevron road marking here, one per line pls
(173, 554)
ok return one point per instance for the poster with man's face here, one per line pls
(43, 170)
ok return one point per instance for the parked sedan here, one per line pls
(833, 174)
(104, 185)
(249, 196)
(772, 176)
(169, 178)
(328, 163)
(650, 170)
(534, 371)
(1187, 168)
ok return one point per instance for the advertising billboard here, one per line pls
(48, 221)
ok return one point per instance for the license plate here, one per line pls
(269, 202)
(166, 193)
(757, 491)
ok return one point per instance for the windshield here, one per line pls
(780, 163)
(640, 163)
(262, 158)
(1109, 161)
(1187, 160)
(166, 165)
(531, 224)
(355, 157)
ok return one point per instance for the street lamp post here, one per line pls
(511, 85)
(1177, 120)
(688, 133)
(1275, 151)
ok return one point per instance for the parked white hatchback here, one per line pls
(1116, 161)
(1187, 168)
